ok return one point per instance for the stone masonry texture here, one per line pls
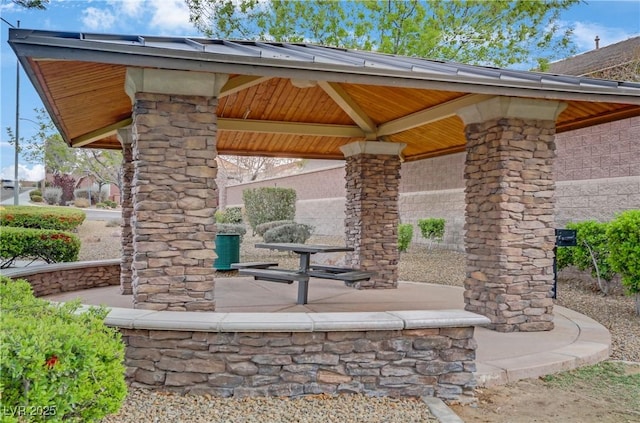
(510, 223)
(433, 362)
(174, 198)
(371, 222)
(126, 238)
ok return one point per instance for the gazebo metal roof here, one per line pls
(296, 100)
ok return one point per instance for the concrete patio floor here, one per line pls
(501, 358)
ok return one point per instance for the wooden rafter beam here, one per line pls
(240, 83)
(348, 104)
(430, 115)
(99, 133)
(277, 127)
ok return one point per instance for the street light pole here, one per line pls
(16, 182)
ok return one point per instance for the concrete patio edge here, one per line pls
(592, 345)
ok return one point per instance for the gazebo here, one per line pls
(173, 104)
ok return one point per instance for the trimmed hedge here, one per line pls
(49, 245)
(60, 364)
(297, 233)
(264, 227)
(58, 218)
(267, 204)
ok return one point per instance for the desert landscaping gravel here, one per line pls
(420, 264)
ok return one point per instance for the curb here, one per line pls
(441, 411)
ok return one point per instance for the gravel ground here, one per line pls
(419, 264)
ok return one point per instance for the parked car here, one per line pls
(9, 184)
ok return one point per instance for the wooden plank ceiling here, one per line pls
(283, 118)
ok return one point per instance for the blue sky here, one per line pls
(612, 21)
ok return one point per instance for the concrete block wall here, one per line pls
(597, 174)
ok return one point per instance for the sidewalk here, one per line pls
(502, 358)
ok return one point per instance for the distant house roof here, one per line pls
(600, 59)
(296, 100)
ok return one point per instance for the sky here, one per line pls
(611, 20)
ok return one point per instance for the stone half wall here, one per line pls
(395, 353)
(56, 278)
(398, 363)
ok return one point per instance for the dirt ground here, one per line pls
(536, 400)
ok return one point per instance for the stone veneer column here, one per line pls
(509, 211)
(371, 223)
(174, 190)
(126, 238)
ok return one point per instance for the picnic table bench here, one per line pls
(266, 270)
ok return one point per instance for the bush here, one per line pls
(65, 364)
(623, 234)
(83, 193)
(405, 235)
(49, 245)
(35, 192)
(268, 204)
(292, 232)
(229, 215)
(53, 195)
(110, 204)
(81, 202)
(264, 227)
(36, 198)
(591, 252)
(231, 228)
(41, 217)
(432, 229)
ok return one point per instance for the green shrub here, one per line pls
(81, 202)
(432, 229)
(623, 234)
(405, 235)
(231, 228)
(264, 227)
(35, 192)
(591, 252)
(36, 198)
(41, 217)
(229, 215)
(53, 195)
(101, 206)
(49, 245)
(64, 364)
(110, 204)
(297, 233)
(267, 204)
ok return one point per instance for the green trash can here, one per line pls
(228, 251)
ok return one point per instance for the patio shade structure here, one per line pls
(173, 104)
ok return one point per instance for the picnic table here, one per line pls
(267, 272)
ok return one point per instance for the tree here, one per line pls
(32, 4)
(497, 32)
(249, 168)
(105, 166)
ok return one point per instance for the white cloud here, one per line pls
(25, 173)
(170, 16)
(97, 19)
(129, 8)
(584, 35)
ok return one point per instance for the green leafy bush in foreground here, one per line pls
(623, 234)
(59, 218)
(58, 364)
(432, 228)
(229, 215)
(48, 245)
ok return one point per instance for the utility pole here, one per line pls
(16, 181)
